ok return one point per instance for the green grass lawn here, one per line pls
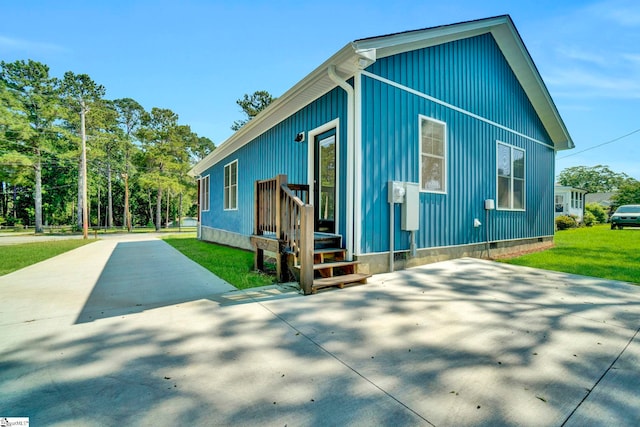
(15, 257)
(230, 264)
(591, 251)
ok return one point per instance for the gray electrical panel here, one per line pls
(411, 207)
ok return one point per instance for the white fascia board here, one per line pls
(569, 188)
(521, 63)
(405, 42)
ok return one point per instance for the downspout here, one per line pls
(199, 226)
(350, 147)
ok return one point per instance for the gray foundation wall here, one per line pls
(379, 263)
(224, 238)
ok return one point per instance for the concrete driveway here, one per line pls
(464, 342)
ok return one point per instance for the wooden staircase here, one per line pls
(284, 225)
(330, 267)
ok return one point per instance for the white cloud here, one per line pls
(8, 44)
(621, 12)
(582, 55)
(634, 58)
(583, 83)
(592, 52)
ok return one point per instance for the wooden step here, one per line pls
(329, 254)
(334, 264)
(339, 281)
(331, 265)
(328, 251)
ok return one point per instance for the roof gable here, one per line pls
(361, 53)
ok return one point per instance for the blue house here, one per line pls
(406, 148)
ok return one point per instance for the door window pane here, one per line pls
(327, 178)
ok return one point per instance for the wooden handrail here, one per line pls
(290, 223)
(266, 205)
(283, 210)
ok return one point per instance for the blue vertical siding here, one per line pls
(272, 153)
(471, 74)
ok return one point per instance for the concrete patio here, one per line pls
(464, 342)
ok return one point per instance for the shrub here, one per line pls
(564, 222)
(589, 219)
(11, 221)
(597, 211)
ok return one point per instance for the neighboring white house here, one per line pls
(569, 201)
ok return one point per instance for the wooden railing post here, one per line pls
(306, 248)
(280, 181)
(258, 256)
(256, 208)
(281, 211)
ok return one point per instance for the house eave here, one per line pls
(313, 86)
(569, 188)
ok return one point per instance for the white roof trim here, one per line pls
(361, 53)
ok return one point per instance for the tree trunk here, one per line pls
(150, 218)
(38, 193)
(4, 204)
(127, 215)
(83, 137)
(180, 214)
(109, 198)
(15, 199)
(159, 209)
(168, 203)
(99, 224)
(79, 205)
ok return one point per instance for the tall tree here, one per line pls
(251, 105)
(130, 115)
(108, 146)
(167, 149)
(595, 179)
(80, 93)
(29, 110)
(628, 193)
(202, 147)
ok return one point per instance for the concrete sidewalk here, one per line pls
(464, 342)
(124, 273)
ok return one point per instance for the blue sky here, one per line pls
(196, 57)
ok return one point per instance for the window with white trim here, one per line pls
(433, 155)
(204, 193)
(231, 186)
(511, 177)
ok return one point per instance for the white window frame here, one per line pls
(512, 148)
(445, 149)
(205, 203)
(228, 189)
